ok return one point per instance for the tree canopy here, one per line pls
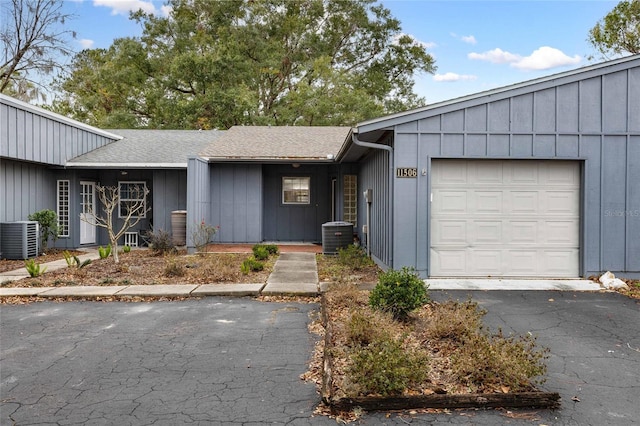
(619, 31)
(34, 42)
(215, 64)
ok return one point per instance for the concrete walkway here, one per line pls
(293, 274)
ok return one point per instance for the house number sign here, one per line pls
(406, 172)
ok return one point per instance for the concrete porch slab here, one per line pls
(511, 284)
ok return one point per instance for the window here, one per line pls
(350, 201)
(133, 199)
(296, 190)
(63, 207)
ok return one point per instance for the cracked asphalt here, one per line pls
(237, 361)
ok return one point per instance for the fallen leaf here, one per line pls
(576, 399)
(505, 389)
(551, 300)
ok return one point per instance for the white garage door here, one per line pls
(506, 218)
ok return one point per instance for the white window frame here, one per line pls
(298, 185)
(121, 200)
(63, 203)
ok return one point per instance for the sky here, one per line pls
(477, 45)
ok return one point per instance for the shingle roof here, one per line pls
(148, 148)
(277, 143)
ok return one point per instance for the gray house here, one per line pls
(48, 161)
(538, 179)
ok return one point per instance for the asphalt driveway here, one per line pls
(238, 361)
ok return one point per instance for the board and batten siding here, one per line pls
(374, 175)
(32, 134)
(168, 195)
(592, 118)
(198, 195)
(236, 202)
(24, 189)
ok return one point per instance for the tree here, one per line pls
(131, 212)
(619, 31)
(214, 64)
(34, 40)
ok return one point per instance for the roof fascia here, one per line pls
(75, 165)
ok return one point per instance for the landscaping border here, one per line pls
(439, 399)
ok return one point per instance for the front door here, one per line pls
(87, 212)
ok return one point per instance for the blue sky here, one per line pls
(478, 45)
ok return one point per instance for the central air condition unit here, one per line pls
(19, 240)
(336, 235)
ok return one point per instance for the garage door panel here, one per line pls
(515, 218)
(449, 232)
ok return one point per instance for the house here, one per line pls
(48, 161)
(537, 179)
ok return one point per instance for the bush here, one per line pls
(250, 264)
(160, 241)
(48, 224)
(260, 252)
(174, 269)
(399, 292)
(385, 368)
(365, 327)
(454, 320)
(484, 362)
(271, 248)
(203, 234)
(354, 257)
(126, 249)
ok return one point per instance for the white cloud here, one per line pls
(123, 7)
(166, 10)
(85, 43)
(470, 39)
(451, 77)
(495, 56)
(545, 58)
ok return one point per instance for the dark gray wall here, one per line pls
(283, 222)
(169, 194)
(24, 189)
(591, 117)
(236, 202)
(198, 195)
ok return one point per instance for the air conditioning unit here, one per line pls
(336, 235)
(19, 239)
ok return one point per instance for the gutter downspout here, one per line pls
(354, 139)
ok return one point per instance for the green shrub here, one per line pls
(34, 269)
(250, 264)
(71, 261)
(486, 362)
(126, 249)
(160, 241)
(385, 368)
(104, 252)
(271, 248)
(260, 252)
(354, 257)
(48, 224)
(399, 292)
(365, 327)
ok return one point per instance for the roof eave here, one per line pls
(89, 165)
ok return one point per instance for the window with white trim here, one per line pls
(350, 199)
(63, 207)
(132, 196)
(296, 190)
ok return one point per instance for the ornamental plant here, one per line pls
(48, 224)
(399, 292)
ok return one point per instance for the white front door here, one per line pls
(87, 212)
